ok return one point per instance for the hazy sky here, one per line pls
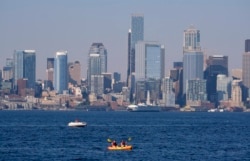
(73, 25)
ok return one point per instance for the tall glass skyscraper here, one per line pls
(136, 33)
(25, 67)
(61, 71)
(149, 59)
(97, 64)
(192, 57)
(246, 71)
(98, 48)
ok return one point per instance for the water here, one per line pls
(44, 135)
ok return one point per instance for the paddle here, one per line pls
(109, 140)
(129, 139)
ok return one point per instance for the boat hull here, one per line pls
(127, 147)
(145, 108)
(77, 124)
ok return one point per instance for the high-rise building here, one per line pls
(223, 87)
(107, 82)
(97, 63)
(247, 45)
(216, 64)
(136, 33)
(61, 72)
(176, 75)
(149, 59)
(236, 93)
(192, 57)
(98, 48)
(117, 77)
(168, 96)
(196, 92)
(246, 71)
(50, 71)
(74, 70)
(25, 67)
(97, 86)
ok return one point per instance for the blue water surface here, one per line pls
(44, 135)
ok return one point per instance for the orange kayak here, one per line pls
(127, 147)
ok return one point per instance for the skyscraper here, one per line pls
(216, 64)
(61, 72)
(25, 67)
(98, 48)
(247, 45)
(136, 33)
(74, 73)
(97, 64)
(246, 71)
(150, 60)
(50, 70)
(192, 57)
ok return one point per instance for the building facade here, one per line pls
(61, 71)
(74, 70)
(25, 67)
(192, 57)
(135, 34)
(150, 60)
(246, 71)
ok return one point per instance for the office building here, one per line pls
(247, 45)
(74, 70)
(149, 59)
(135, 34)
(246, 71)
(216, 64)
(223, 88)
(168, 96)
(61, 71)
(98, 48)
(192, 57)
(25, 67)
(97, 86)
(236, 93)
(196, 92)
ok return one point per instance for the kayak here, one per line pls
(127, 147)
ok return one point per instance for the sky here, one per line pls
(48, 26)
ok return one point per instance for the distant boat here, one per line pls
(142, 107)
(77, 124)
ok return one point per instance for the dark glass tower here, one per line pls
(216, 64)
(247, 45)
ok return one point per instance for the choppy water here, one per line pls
(44, 135)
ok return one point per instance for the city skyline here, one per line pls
(48, 27)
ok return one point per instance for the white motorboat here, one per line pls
(77, 124)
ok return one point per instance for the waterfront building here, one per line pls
(246, 71)
(216, 64)
(223, 87)
(74, 70)
(61, 72)
(192, 57)
(168, 96)
(196, 92)
(25, 67)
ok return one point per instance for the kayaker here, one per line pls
(123, 143)
(114, 143)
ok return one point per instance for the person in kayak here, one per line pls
(113, 143)
(123, 143)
